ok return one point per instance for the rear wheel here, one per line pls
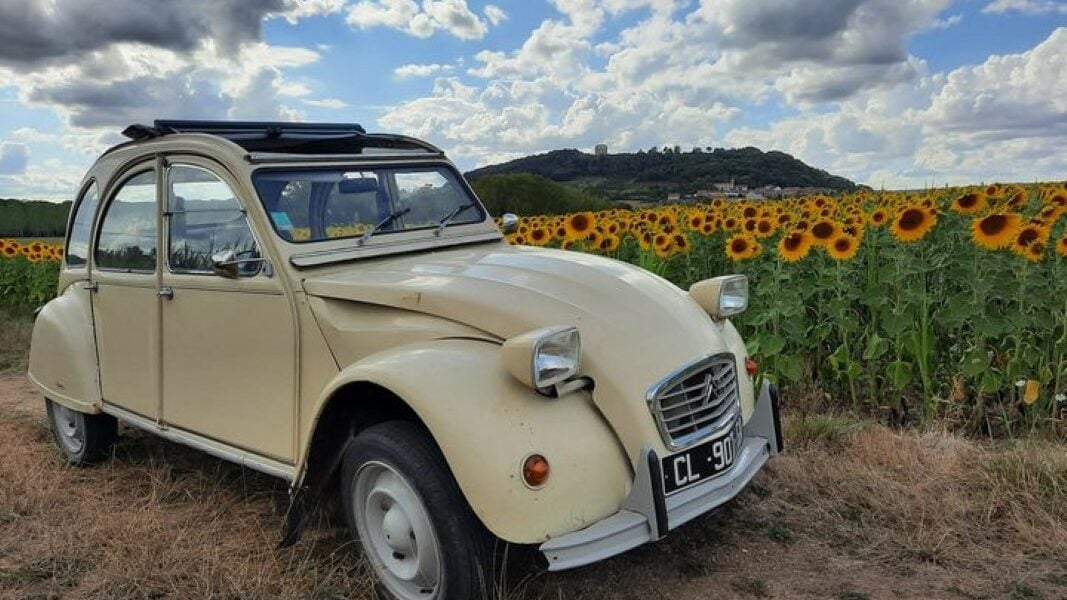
(416, 529)
(83, 438)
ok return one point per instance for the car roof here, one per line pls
(267, 140)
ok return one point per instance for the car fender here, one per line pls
(486, 423)
(63, 362)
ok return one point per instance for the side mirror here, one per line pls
(509, 223)
(226, 264)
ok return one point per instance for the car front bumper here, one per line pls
(647, 514)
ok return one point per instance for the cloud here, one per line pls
(1029, 7)
(29, 134)
(302, 9)
(422, 21)
(13, 158)
(1004, 119)
(36, 33)
(50, 180)
(413, 71)
(330, 103)
(495, 14)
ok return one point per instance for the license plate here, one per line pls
(701, 462)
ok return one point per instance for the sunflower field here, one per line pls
(28, 273)
(948, 304)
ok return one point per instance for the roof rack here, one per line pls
(268, 128)
(285, 138)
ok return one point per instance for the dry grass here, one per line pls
(15, 332)
(156, 521)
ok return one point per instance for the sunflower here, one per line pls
(10, 251)
(764, 228)
(695, 222)
(794, 246)
(708, 228)
(578, 226)
(823, 231)
(661, 242)
(666, 251)
(1061, 246)
(969, 203)
(1027, 235)
(1035, 252)
(738, 247)
(913, 223)
(994, 231)
(843, 247)
(680, 243)
(538, 236)
(608, 243)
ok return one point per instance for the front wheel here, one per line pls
(405, 508)
(83, 438)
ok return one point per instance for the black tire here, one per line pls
(465, 546)
(83, 439)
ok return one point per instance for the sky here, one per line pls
(890, 93)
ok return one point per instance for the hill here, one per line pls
(656, 172)
(526, 194)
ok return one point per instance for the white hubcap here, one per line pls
(396, 532)
(69, 427)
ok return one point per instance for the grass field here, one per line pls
(853, 511)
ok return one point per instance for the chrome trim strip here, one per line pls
(216, 449)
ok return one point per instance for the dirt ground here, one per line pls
(852, 511)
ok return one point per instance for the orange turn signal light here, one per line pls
(751, 367)
(535, 470)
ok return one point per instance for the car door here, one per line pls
(229, 349)
(126, 305)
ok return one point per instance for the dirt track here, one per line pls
(161, 521)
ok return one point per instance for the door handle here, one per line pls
(166, 292)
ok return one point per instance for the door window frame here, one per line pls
(90, 247)
(105, 206)
(167, 214)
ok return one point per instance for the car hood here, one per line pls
(636, 328)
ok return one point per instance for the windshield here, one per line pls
(318, 205)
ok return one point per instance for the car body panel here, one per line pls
(507, 291)
(63, 351)
(486, 423)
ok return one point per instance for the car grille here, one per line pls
(697, 400)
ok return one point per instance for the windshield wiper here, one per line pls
(452, 215)
(387, 220)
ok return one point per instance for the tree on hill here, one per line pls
(526, 194)
(682, 171)
(33, 219)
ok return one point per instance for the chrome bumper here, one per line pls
(647, 515)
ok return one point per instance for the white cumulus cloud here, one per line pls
(419, 20)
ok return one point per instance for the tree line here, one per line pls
(22, 219)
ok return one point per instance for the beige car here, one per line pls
(337, 309)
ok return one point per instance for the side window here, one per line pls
(127, 238)
(205, 218)
(78, 238)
